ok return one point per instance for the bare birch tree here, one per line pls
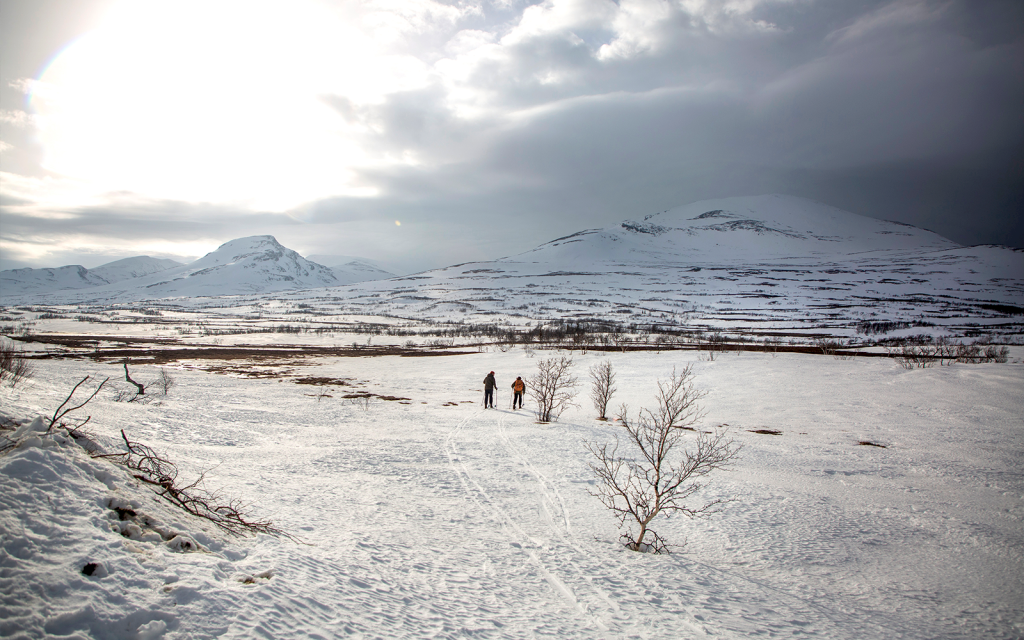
(654, 478)
(553, 387)
(602, 387)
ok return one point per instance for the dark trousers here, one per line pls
(488, 398)
(517, 397)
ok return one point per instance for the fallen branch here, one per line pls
(161, 475)
(141, 388)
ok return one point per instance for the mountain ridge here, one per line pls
(748, 264)
(27, 279)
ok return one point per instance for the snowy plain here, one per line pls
(431, 517)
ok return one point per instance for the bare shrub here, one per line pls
(997, 354)
(553, 387)
(602, 387)
(652, 478)
(946, 353)
(165, 381)
(828, 346)
(620, 341)
(13, 366)
(913, 357)
(711, 344)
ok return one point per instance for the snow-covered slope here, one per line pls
(136, 267)
(739, 229)
(437, 519)
(356, 271)
(352, 269)
(742, 264)
(17, 281)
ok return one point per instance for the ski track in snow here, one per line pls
(574, 574)
(518, 537)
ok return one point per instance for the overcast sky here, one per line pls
(424, 133)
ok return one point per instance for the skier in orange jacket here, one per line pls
(518, 387)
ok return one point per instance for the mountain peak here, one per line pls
(252, 241)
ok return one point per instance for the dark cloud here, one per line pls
(908, 111)
(975, 199)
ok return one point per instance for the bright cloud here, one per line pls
(267, 106)
(159, 101)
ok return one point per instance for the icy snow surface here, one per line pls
(430, 517)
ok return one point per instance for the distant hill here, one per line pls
(257, 264)
(19, 281)
(744, 263)
(351, 269)
(129, 268)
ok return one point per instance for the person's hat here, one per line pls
(519, 377)
(492, 373)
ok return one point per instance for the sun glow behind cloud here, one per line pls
(217, 101)
(265, 105)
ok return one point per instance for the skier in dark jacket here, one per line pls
(489, 385)
(518, 387)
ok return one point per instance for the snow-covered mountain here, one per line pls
(18, 281)
(246, 265)
(738, 229)
(745, 264)
(253, 265)
(256, 264)
(136, 267)
(352, 269)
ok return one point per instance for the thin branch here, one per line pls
(59, 415)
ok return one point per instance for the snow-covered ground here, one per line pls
(431, 517)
